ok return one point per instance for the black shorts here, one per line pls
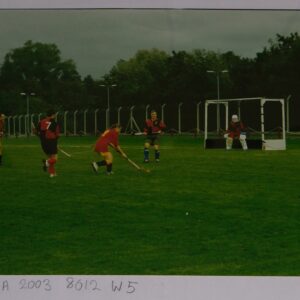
(152, 139)
(49, 146)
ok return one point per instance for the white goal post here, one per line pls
(267, 144)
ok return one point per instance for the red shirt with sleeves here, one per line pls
(110, 136)
(48, 129)
(154, 126)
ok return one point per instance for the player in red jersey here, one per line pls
(109, 138)
(2, 117)
(153, 128)
(48, 131)
(236, 129)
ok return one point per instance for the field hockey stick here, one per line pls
(137, 166)
(64, 152)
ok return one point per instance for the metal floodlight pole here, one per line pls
(31, 122)
(26, 118)
(163, 112)
(84, 121)
(8, 124)
(14, 124)
(179, 117)
(107, 86)
(119, 115)
(108, 109)
(65, 122)
(26, 125)
(75, 123)
(218, 94)
(20, 126)
(107, 118)
(198, 117)
(96, 120)
(131, 117)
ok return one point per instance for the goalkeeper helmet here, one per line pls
(235, 118)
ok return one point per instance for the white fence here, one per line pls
(93, 121)
(179, 118)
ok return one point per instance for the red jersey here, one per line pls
(235, 129)
(154, 126)
(110, 136)
(48, 129)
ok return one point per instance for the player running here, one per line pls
(153, 128)
(2, 117)
(48, 131)
(236, 129)
(109, 138)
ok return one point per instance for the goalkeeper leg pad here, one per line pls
(229, 142)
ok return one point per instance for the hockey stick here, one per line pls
(64, 152)
(137, 166)
(131, 161)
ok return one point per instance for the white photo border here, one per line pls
(288, 286)
(151, 4)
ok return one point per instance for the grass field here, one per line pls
(198, 212)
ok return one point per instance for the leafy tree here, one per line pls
(38, 68)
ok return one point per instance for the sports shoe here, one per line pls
(95, 166)
(109, 173)
(146, 161)
(53, 175)
(157, 160)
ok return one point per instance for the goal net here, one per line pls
(264, 120)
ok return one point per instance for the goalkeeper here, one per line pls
(236, 129)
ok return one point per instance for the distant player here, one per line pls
(236, 129)
(109, 138)
(2, 117)
(153, 128)
(48, 131)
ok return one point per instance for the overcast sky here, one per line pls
(97, 39)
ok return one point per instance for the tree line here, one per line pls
(151, 76)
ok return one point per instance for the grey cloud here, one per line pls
(97, 39)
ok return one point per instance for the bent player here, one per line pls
(153, 128)
(109, 138)
(236, 129)
(2, 117)
(48, 131)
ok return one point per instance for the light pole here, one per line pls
(218, 93)
(27, 110)
(163, 112)
(108, 86)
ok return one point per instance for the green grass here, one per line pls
(243, 211)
